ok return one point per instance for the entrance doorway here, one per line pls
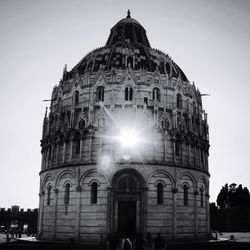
(127, 202)
(126, 217)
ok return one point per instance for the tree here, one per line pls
(232, 196)
(222, 197)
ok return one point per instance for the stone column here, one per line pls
(165, 147)
(109, 210)
(71, 149)
(52, 155)
(195, 214)
(174, 159)
(112, 210)
(181, 153)
(100, 145)
(155, 115)
(43, 160)
(81, 145)
(90, 147)
(57, 152)
(206, 161)
(55, 213)
(195, 159)
(208, 213)
(189, 154)
(155, 147)
(200, 163)
(174, 191)
(78, 213)
(144, 209)
(47, 158)
(202, 160)
(41, 211)
(63, 152)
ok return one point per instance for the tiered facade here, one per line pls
(97, 176)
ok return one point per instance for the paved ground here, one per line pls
(3, 237)
(238, 237)
(241, 241)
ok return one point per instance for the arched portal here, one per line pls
(128, 202)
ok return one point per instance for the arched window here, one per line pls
(177, 148)
(101, 122)
(202, 199)
(77, 143)
(94, 193)
(202, 158)
(48, 195)
(66, 194)
(185, 195)
(179, 101)
(165, 124)
(156, 94)
(159, 193)
(127, 185)
(128, 94)
(76, 98)
(50, 152)
(100, 94)
(130, 62)
(81, 124)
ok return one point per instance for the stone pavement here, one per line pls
(3, 237)
(242, 241)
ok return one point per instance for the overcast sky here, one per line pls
(209, 40)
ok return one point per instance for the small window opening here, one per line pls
(48, 195)
(159, 193)
(66, 194)
(185, 195)
(94, 193)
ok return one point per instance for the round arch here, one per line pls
(86, 173)
(63, 173)
(191, 178)
(119, 174)
(172, 180)
(47, 178)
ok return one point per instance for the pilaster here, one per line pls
(195, 214)
(174, 191)
(78, 212)
(189, 154)
(41, 212)
(71, 149)
(55, 213)
(81, 146)
(57, 152)
(63, 152)
(145, 210)
(208, 213)
(90, 147)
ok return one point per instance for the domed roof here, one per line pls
(128, 46)
(128, 30)
(128, 19)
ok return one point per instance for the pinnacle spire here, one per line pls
(128, 14)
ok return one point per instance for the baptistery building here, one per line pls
(124, 146)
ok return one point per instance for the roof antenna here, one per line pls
(128, 15)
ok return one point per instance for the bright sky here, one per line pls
(209, 40)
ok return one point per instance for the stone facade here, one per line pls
(91, 183)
